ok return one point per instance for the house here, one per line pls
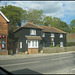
(32, 38)
(71, 37)
(3, 33)
(53, 36)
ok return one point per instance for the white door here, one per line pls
(61, 44)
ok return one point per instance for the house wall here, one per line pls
(3, 25)
(3, 30)
(21, 33)
(57, 40)
(20, 37)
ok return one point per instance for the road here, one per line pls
(51, 64)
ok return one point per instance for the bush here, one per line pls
(51, 46)
(70, 44)
(41, 51)
(10, 51)
(26, 52)
(57, 46)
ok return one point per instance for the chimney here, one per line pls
(31, 21)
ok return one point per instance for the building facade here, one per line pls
(3, 33)
(32, 38)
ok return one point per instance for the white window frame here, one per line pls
(43, 35)
(32, 32)
(61, 36)
(20, 44)
(33, 44)
(52, 34)
(61, 44)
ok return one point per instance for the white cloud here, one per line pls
(50, 8)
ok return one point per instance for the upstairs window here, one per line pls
(43, 35)
(52, 34)
(32, 32)
(61, 36)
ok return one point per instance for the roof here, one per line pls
(51, 29)
(29, 25)
(34, 37)
(71, 37)
(4, 16)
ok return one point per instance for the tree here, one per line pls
(72, 26)
(16, 15)
(56, 22)
(34, 15)
(72, 23)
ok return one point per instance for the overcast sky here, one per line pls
(65, 10)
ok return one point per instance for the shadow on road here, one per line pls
(25, 71)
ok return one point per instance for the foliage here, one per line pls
(72, 23)
(10, 51)
(57, 46)
(41, 51)
(34, 15)
(72, 26)
(51, 46)
(70, 44)
(26, 52)
(16, 15)
(56, 22)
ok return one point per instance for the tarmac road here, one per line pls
(63, 63)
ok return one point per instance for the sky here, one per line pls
(65, 10)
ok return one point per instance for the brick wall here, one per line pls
(3, 52)
(33, 50)
(3, 25)
(58, 49)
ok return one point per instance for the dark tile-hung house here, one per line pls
(32, 38)
(53, 36)
(28, 38)
(3, 33)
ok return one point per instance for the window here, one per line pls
(32, 44)
(52, 34)
(61, 36)
(61, 44)
(32, 32)
(43, 35)
(20, 44)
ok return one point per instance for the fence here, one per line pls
(58, 49)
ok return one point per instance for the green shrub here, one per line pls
(10, 51)
(51, 46)
(26, 52)
(41, 51)
(57, 46)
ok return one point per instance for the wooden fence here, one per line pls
(58, 49)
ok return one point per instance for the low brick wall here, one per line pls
(58, 49)
(33, 50)
(3, 52)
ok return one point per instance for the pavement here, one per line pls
(18, 56)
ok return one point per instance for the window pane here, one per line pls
(33, 32)
(52, 34)
(35, 43)
(32, 43)
(20, 44)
